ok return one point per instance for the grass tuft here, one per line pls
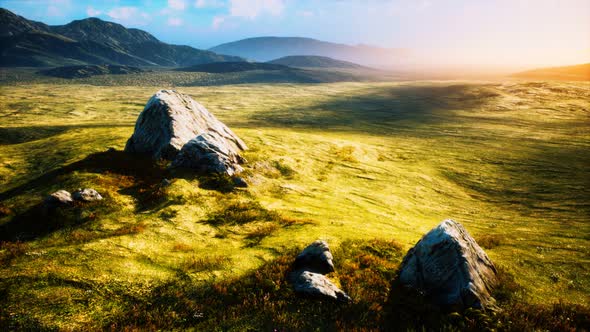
(241, 213)
(490, 241)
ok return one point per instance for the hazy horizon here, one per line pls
(467, 35)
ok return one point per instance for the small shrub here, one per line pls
(242, 213)
(284, 169)
(11, 250)
(181, 247)
(4, 210)
(260, 232)
(207, 263)
(489, 241)
(129, 230)
(345, 153)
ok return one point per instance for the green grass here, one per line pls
(369, 167)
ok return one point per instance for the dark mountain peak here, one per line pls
(90, 41)
(104, 32)
(12, 24)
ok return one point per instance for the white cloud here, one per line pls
(305, 13)
(58, 7)
(209, 3)
(253, 8)
(92, 12)
(176, 4)
(54, 11)
(175, 21)
(123, 13)
(129, 15)
(217, 22)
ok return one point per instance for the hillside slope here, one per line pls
(314, 61)
(90, 41)
(231, 67)
(270, 48)
(568, 73)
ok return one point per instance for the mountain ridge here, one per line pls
(315, 61)
(90, 41)
(269, 48)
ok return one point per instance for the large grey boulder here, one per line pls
(308, 271)
(57, 199)
(209, 153)
(86, 195)
(317, 285)
(450, 268)
(171, 119)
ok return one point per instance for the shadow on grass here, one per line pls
(18, 135)
(135, 175)
(264, 300)
(261, 222)
(381, 110)
(129, 174)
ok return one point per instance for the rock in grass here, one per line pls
(240, 182)
(209, 153)
(315, 258)
(450, 268)
(86, 195)
(317, 285)
(58, 199)
(308, 272)
(171, 119)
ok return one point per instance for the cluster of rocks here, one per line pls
(309, 273)
(175, 127)
(446, 265)
(65, 198)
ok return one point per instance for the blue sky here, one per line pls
(492, 32)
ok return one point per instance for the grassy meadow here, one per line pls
(368, 167)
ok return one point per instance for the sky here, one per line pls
(518, 33)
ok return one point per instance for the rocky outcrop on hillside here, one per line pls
(450, 268)
(86, 195)
(209, 153)
(170, 120)
(57, 199)
(308, 273)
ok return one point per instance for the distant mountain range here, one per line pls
(233, 67)
(314, 61)
(568, 73)
(269, 48)
(90, 41)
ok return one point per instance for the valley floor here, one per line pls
(368, 167)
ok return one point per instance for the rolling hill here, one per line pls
(567, 73)
(88, 71)
(314, 61)
(271, 48)
(90, 41)
(232, 67)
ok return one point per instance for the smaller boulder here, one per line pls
(240, 182)
(308, 271)
(58, 198)
(317, 285)
(209, 153)
(86, 195)
(315, 258)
